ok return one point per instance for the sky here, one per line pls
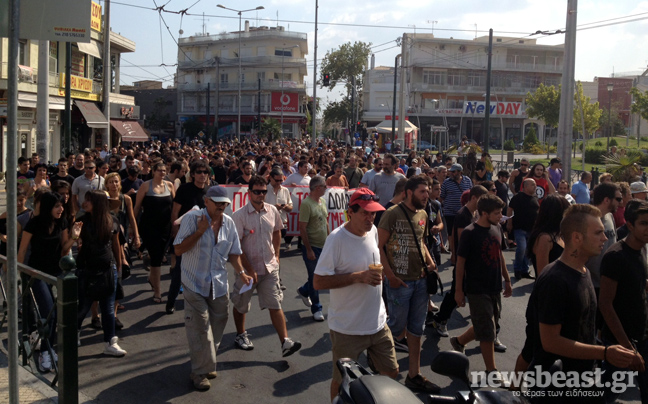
(611, 36)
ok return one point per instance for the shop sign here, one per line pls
(121, 111)
(95, 17)
(77, 83)
(80, 95)
(286, 102)
(496, 108)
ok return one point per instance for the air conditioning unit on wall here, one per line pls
(462, 48)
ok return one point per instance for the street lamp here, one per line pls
(610, 87)
(283, 54)
(239, 12)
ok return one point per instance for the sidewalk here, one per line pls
(31, 389)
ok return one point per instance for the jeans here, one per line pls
(176, 282)
(106, 305)
(42, 292)
(407, 307)
(521, 262)
(641, 380)
(307, 289)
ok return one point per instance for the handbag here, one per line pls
(99, 285)
(432, 277)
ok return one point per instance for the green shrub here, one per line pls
(644, 160)
(509, 145)
(530, 140)
(613, 142)
(594, 156)
(633, 138)
(644, 139)
(598, 143)
(555, 144)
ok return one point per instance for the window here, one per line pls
(208, 54)
(224, 78)
(283, 52)
(242, 77)
(22, 53)
(188, 56)
(261, 76)
(284, 77)
(455, 79)
(476, 79)
(246, 52)
(433, 77)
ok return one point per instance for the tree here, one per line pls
(337, 111)
(271, 128)
(591, 111)
(530, 140)
(192, 127)
(346, 65)
(544, 104)
(640, 104)
(618, 127)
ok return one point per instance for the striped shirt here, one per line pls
(451, 192)
(203, 267)
(255, 229)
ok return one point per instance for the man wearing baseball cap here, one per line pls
(638, 190)
(350, 267)
(206, 240)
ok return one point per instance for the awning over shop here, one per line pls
(94, 118)
(90, 48)
(57, 103)
(130, 131)
(27, 100)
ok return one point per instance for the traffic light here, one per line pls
(326, 81)
(359, 123)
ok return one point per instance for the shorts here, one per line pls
(485, 312)
(450, 224)
(268, 290)
(407, 307)
(379, 345)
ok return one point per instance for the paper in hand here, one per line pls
(178, 220)
(247, 287)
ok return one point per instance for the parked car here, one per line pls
(421, 145)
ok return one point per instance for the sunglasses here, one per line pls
(524, 165)
(259, 191)
(202, 172)
(277, 179)
(90, 168)
(367, 197)
(619, 199)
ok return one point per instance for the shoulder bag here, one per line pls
(432, 277)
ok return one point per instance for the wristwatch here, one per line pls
(241, 272)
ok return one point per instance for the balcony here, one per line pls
(451, 63)
(265, 85)
(234, 36)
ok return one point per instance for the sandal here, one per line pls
(157, 300)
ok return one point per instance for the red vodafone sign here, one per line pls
(288, 102)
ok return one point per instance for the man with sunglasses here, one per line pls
(517, 176)
(90, 181)
(259, 226)
(187, 196)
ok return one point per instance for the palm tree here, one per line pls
(623, 166)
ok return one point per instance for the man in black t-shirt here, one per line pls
(62, 174)
(462, 220)
(220, 170)
(524, 208)
(187, 196)
(479, 273)
(622, 298)
(562, 307)
(77, 168)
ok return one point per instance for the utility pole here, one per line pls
(42, 111)
(566, 122)
(393, 118)
(107, 71)
(259, 110)
(488, 91)
(67, 117)
(314, 116)
(353, 121)
(207, 114)
(403, 82)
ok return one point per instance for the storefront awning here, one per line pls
(130, 131)
(94, 118)
(90, 48)
(56, 103)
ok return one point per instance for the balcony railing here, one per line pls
(481, 65)
(265, 85)
(243, 35)
(246, 61)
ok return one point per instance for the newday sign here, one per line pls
(512, 109)
(50, 20)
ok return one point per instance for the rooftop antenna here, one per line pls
(204, 24)
(433, 23)
(475, 31)
(277, 18)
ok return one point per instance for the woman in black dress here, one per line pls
(155, 198)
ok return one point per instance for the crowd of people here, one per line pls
(584, 246)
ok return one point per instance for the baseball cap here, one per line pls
(218, 194)
(456, 167)
(414, 161)
(366, 199)
(637, 187)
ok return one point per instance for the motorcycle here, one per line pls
(360, 386)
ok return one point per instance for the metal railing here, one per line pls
(66, 371)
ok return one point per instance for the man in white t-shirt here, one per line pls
(357, 318)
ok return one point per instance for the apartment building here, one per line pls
(272, 69)
(88, 120)
(446, 86)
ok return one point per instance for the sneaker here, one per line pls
(34, 341)
(200, 382)
(113, 349)
(305, 299)
(454, 341)
(318, 316)
(289, 347)
(419, 382)
(281, 285)
(96, 323)
(118, 324)
(499, 347)
(441, 327)
(494, 378)
(433, 307)
(401, 344)
(211, 375)
(44, 362)
(242, 341)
